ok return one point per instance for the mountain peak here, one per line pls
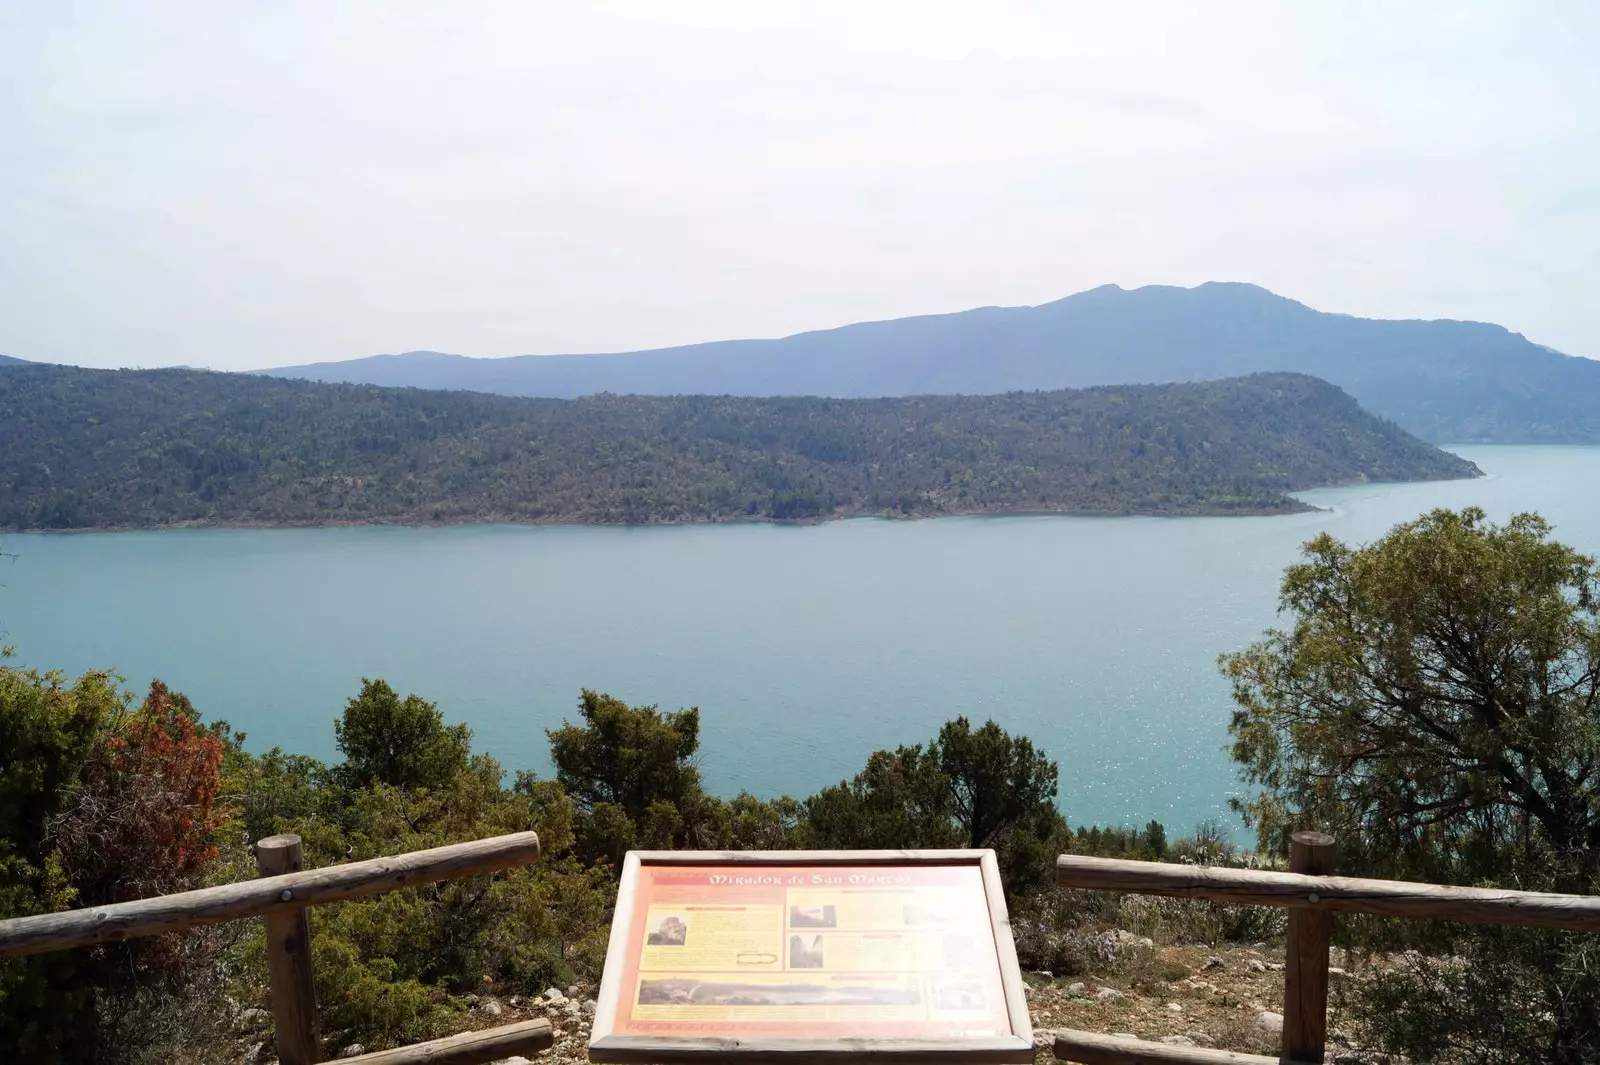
(1232, 293)
(1236, 286)
(409, 356)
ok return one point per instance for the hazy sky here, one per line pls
(238, 184)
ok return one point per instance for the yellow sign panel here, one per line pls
(859, 953)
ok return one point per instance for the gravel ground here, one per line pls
(1230, 998)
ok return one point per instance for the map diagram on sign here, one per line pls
(802, 951)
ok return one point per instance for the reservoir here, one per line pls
(805, 647)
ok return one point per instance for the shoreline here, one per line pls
(1299, 507)
(1292, 505)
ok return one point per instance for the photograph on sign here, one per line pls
(849, 948)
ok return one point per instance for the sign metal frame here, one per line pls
(607, 1047)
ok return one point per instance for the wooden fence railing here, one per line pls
(1311, 894)
(281, 895)
(283, 892)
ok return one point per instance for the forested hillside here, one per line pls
(1446, 381)
(116, 448)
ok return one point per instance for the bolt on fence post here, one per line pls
(294, 1003)
(1305, 973)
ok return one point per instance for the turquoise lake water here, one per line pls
(806, 648)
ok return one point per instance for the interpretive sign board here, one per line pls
(811, 956)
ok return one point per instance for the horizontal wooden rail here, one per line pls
(166, 913)
(1090, 1048)
(1391, 898)
(468, 1048)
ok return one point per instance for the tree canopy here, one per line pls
(631, 771)
(1435, 704)
(978, 788)
(1436, 700)
(403, 743)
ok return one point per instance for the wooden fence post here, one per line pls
(1305, 973)
(294, 1003)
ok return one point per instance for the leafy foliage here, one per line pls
(968, 788)
(100, 805)
(110, 448)
(125, 801)
(1498, 996)
(402, 743)
(631, 771)
(631, 775)
(388, 967)
(1436, 705)
(47, 729)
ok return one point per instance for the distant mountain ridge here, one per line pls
(1446, 381)
(146, 448)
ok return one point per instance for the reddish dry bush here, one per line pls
(141, 822)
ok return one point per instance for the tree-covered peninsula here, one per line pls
(84, 448)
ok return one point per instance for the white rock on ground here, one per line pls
(1178, 1040)
(515, 1060)
(1109, 994)
(1256, 965)
(492, 1008)
(352, 1050)
(1124, 938)
(1268, 1021)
